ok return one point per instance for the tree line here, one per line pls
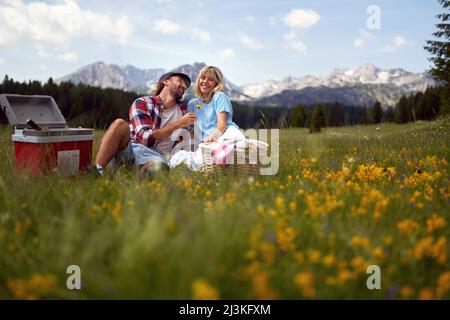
(81, 105)
(417, 106)
(88, 106)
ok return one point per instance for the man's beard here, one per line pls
(176, 93)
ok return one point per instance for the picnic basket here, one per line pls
(241, 158)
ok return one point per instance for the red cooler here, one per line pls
(43, 143)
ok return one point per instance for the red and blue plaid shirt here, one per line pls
(145, 117)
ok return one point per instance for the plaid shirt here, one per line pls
(145, 117)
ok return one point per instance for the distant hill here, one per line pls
(141, 81)
(360, 86)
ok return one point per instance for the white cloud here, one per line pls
(293, 42)
(44, 53)
(57, 24)
(364, 36)
(249, 19)
(165, 26)
(201, 35)
(272, 21)
(43, 67)
(164, 1)
(250, 43)
(359, 42)
(68, 57)
(297, 20)
(301, 18)
(397, 43)
(2, 61)
(226, 53)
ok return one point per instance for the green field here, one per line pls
(343, 199)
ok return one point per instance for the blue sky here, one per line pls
(251, 41)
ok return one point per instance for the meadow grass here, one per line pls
(343, 199)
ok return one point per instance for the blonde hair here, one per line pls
(213, 73)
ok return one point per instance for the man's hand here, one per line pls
(186, 120)
(165, 132)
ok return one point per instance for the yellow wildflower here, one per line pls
(407, 226)
(370, 173)
(406, 291)
(314, 256)
(267, 251)
(299, 256)
(117, 211)
(443, 284)
(434, 223)
(260, 209)
(285, 238)
(425, 294)
(202, 290)
(329, 260)
(344, 275)
(293, 206)
(378, 253)
(388, 240)
(262, 288)
(279, 203)
(360, 242)
(36, 287)
(426, 247)
(18, 228)
(305, 282)
(359, 264)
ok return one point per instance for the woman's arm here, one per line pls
(221, 127)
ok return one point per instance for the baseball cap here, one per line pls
(185, 77)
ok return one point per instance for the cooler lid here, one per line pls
(43, 110)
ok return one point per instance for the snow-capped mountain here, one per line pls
(193, 70)
(142, 81)
(360, 85)
(104, 75)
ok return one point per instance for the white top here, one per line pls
(169, 116)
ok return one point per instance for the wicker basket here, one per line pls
(244, 159)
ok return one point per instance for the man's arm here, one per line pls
(142, 122)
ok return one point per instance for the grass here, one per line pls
(342, 200)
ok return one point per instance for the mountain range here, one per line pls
(360, 86)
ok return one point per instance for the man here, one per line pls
(154, 128)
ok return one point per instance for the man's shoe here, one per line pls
(153, 168)
(93, 170)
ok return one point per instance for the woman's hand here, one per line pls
(212, 138)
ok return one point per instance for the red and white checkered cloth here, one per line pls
(223, 152)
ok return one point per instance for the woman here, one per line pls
(213, 108)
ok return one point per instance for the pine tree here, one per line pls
(428, 105)
(298, 117)
(363, 119)
(317, 119)
(440, 51)
(335, 115)
(377, 112)
(389, 115)
(401, 111)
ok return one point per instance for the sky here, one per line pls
(251, 41)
